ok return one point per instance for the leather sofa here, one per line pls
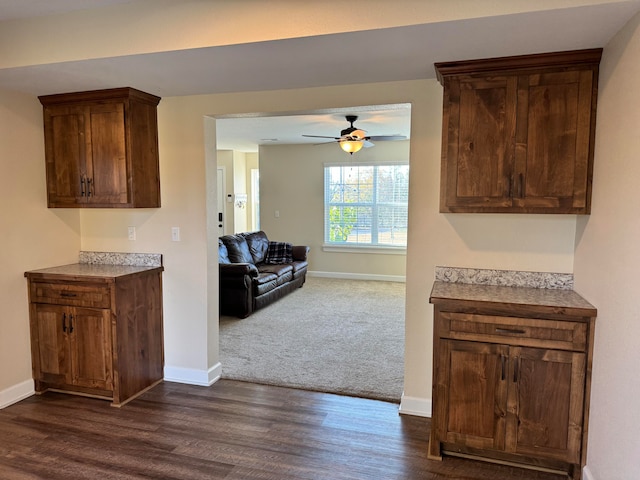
(255, 272)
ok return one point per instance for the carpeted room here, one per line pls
(332, 335)
(336, 335)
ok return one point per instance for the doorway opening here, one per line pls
(282, 201)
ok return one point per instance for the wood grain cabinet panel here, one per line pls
(114, 352)
(518, 133)
(507, 388)
(73, 346)
(101, 149)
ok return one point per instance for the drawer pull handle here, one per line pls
(513, 331)
(64, 322)
(503, 361)
(68, 294)
(70, 323)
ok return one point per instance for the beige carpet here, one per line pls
(332, 335)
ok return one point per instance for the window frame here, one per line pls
(353, 247)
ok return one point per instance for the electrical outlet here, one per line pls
(131, 232)
(175, 234)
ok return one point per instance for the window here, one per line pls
(366, 205)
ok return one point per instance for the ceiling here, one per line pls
(389, 54)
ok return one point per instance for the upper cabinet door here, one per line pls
(553, 158)
(518, 133)
(66, 154)
(108, 172)
(478, 151)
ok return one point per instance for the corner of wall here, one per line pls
(15, 393)
(587, 475)
(420, 407)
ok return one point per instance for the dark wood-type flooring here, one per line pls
(232, 430)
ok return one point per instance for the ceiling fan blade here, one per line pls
(383, 138)
(321, 136)
(368, 144)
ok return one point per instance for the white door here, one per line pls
(220, 199)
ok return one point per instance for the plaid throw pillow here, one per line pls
(279, 252)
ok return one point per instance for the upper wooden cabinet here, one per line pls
(518, 133)
(101, 149)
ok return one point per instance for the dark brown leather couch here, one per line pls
(255, 272)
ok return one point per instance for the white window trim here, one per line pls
(370, 249)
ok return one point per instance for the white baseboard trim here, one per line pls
(192, 376)
(587, 475)
(358, 276)
(18, 392)
(420, 407)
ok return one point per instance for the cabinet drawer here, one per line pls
(74, 294)
(556, 334)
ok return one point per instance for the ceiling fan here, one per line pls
(352, 139)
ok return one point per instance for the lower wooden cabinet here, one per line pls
(99, 335)
(73, 346)
(511, 381)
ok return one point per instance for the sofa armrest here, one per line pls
(300, 252)
(238, 269)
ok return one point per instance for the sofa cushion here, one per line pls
(281, 270)
(223, 254)
(279, 253)
(299, 265)
(258, 244)
(265, 282)
(237, 248)
(284, 272)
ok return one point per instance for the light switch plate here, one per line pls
(131, 233)
(175, 234)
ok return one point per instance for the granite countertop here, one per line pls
(92, 270)
(543, 297)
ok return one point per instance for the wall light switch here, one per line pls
(131, 232)
(175, 234)
(277, 214)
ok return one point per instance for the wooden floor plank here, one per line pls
(230, 431)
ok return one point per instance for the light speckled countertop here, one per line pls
(554, 298)
(91, 270)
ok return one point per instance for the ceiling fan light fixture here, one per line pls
(359, 134)
(351, 146)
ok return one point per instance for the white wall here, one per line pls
(240, 217)
(32, 236)
(292, 182)
(607, 262)
(224, 159)
(253, 163)
(147, 26)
